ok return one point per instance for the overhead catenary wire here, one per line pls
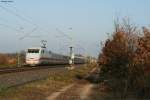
(63, 34)
(17, 15)
(6, 21)
(28, 19)
(18, 11)
(28, 34)
(11, 27)
(23, 17)
(76, 45)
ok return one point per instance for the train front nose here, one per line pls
(32, 56)
(32, 61)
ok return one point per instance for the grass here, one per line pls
(38, 90)
(7, 65)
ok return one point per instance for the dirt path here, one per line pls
(54, 95)
(86, 91)
(80, 90)
(72, 92)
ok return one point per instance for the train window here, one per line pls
(33, 50)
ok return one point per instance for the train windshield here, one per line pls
(33, 50)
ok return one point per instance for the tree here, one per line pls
(117, 57)
(142, 55)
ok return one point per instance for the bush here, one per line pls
(3, 59)
(117, 60)
(8, 59)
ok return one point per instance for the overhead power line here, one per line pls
(63, 34)
(23, 17)
(11, 27)
(75, 43)
(17, 15)
(28, 34)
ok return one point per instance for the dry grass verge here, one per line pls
(38, 90)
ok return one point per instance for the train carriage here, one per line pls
(41, 56)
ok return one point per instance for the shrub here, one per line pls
(3, 59)
(117, 60)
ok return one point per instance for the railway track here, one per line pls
(6, 70)
(23, 68)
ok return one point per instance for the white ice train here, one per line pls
(41, 56)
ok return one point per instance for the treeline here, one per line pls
(125, 60)
(11, 58)
(7, 59)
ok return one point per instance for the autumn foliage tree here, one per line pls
(117, 60)
(142, 55)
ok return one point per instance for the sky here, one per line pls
(24, 23)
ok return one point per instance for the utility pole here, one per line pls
(20, 39)
(18, 55)
(72, 56)
(71, 59)
(18, 59)
(71, 47)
